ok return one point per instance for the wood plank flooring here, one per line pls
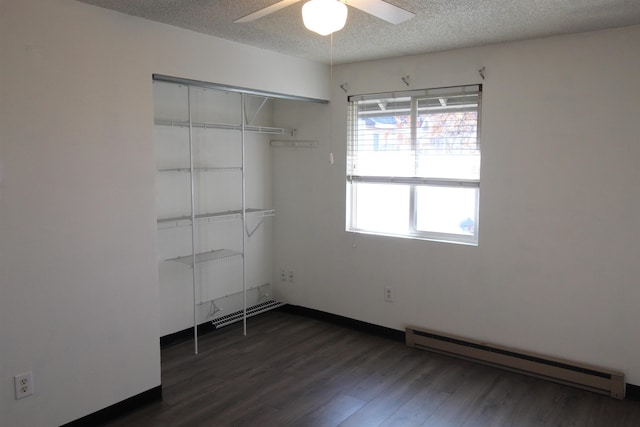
(291, 370)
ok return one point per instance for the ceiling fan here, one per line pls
(318, 13)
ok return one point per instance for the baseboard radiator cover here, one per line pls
(587, 377)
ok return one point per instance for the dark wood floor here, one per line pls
(291, 370)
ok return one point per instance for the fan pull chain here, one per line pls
(330, 91)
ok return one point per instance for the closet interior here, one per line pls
(213, 202)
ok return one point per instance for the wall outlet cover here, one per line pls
(24, 384)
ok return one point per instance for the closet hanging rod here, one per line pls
(229, 88)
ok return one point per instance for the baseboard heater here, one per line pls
(578, 375)
(251, 311)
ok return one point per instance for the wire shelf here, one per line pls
(248, 128)
(206, 218)
(251, 311)
(203, 169)
(211, 257)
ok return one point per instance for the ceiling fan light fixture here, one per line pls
(324, 16)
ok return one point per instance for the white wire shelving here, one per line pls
(206, 218)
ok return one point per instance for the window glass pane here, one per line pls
(447, 210)
(382, 208)
(447, 145)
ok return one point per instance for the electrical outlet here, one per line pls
(24, 385)
(388, 293)
(291, 276)
(283, 275)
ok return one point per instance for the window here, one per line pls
(413, 164)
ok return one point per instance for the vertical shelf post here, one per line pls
(244, 219)
(193, 227)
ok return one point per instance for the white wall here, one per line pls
(556, 270)
(78, 269)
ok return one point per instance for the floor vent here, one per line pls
(579, 375)
(251, 311)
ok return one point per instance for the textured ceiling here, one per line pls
(438, 24)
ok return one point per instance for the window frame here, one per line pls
(414, 182)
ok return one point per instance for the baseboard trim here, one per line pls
(632, 392)
(114, 411)
(185, 335)
(371, 328)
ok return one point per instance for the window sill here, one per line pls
(439, 238)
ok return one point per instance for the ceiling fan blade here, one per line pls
(382, 10)
(266, 11)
